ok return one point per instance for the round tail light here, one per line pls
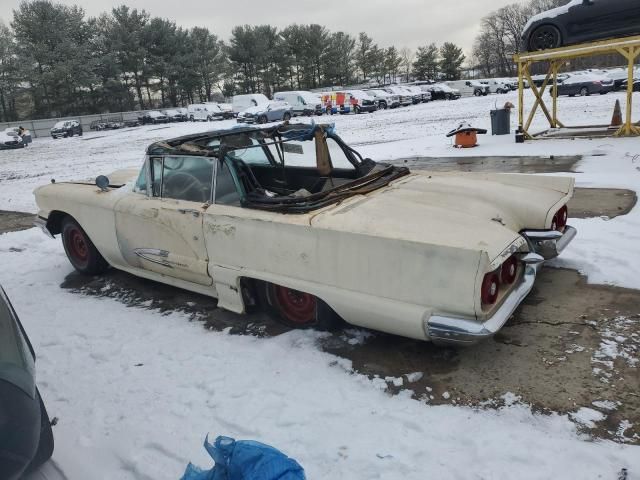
(509, 270)
(560, 219)
(490, 286)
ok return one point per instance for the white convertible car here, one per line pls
(291, 219)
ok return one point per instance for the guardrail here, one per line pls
(42, 127)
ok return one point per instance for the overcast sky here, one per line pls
(403, 23)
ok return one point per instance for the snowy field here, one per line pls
(136, 391)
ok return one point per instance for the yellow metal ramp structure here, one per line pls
(628, 47)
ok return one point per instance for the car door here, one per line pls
(159, 225)
(595, 19)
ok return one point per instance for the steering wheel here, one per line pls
(184, 186)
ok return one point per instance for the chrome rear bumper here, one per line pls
(549, 244)
(443, 330)
(543, 245)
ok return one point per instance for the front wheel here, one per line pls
(297, 309)
(356, 110)
(477, 93)
(80, 250)
(584, 91)
(544, 37)
(286, 117)
(383, 105)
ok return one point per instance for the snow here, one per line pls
(137, 390)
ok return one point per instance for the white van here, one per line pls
(242, 102)
(303, 102)
(469, 87)
(496, 86)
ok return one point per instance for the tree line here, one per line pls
(55, 61)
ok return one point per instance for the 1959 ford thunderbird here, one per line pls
(291, 219)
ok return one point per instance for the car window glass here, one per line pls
(299, 154)
(141, 183)
(226, 187)
(11, 345)
(187, 178)
(156, 174)
(254, 155)
(339, 159)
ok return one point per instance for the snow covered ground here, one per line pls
(136, 390)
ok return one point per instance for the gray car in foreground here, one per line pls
(26, 439)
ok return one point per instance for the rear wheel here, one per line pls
(81, 251)
(383, 105)
(544, 38)
(262, 119)
(584, 91)
(297, 309)
(356, 109)
(477, 93)
(286, 117)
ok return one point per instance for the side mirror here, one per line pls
(102, 182)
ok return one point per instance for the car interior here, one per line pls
(265, 169)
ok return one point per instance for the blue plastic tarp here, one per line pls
(245, 460)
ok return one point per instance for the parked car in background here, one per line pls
(336, 102)
(98, 125)
(217, 112)
(585, 84)
(620, 76)
(581, 21)
(66, 128)
(227, 108)
(406, 97)
(241, 102)
(198, 112)
(302, 102)
(26, 438)
(636, 85)
(10, 141)
(294, 229)
(362, 102)
(496, 86)
(175, 115)
(21, 132)
(441, 91)
(153, 117)
(272, 111)
(385, 99)
(468, 88)
(131, 122)
(419, 95)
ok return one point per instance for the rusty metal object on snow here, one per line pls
(466, 135)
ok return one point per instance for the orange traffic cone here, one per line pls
(616, 120)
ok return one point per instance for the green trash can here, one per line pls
(501, 121)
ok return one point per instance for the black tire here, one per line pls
(477, 93)
(286, 117)
(46, 442)
(262, 119)
(80, 250)
(80, 133)
(296, 309)
(66, 135)
(544, 37)
(383, 105)
(584, 91)
(356, 109)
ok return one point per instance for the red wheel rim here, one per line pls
(77, 245)
(297, 307)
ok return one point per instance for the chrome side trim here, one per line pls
(444, 330)
(41, 223)
(153, 255)
(549, 243)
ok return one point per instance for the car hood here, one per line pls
(480, 212)
(254, 110)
